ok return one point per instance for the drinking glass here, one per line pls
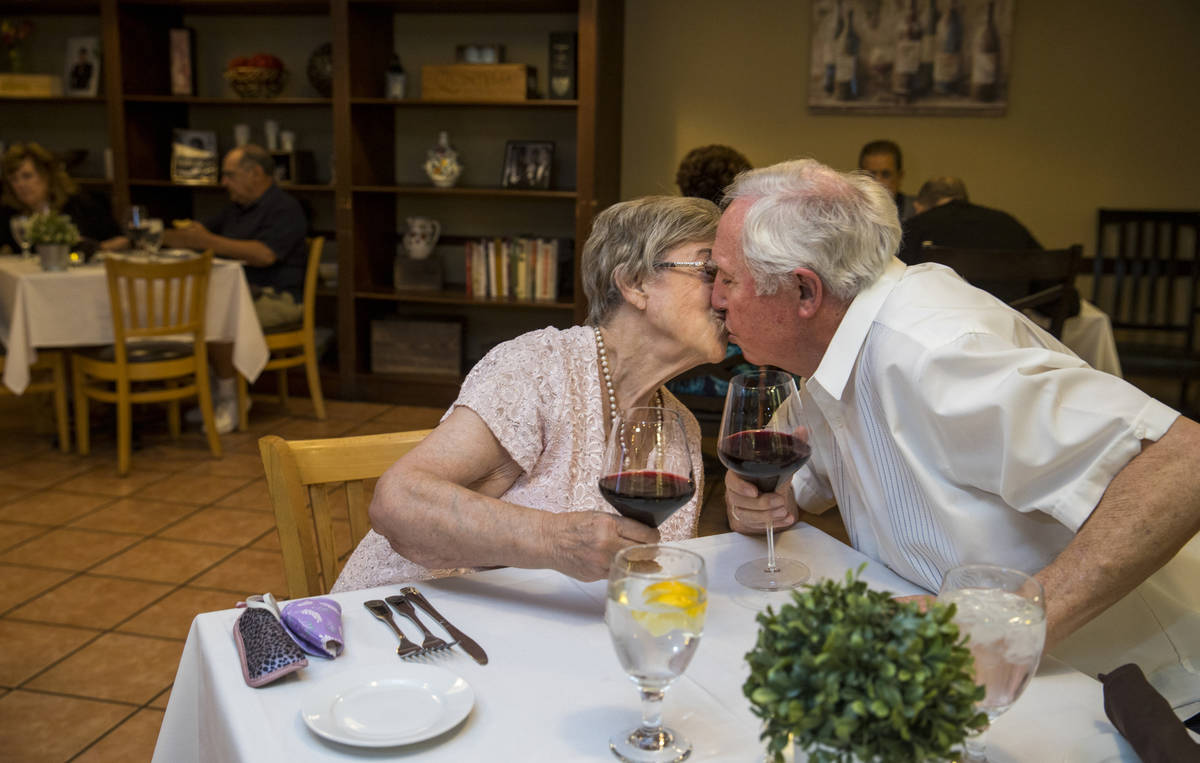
(20, 226)
(760, 443)
(1003, 612)
(657, 597)
(136, 226)
(152, 234)
(647, 465)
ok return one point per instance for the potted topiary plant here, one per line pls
(53, 234)
(847, 673)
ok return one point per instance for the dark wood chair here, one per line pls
(1041, 279)
(1146, 275)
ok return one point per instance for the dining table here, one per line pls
(70, 308)
(553, 689)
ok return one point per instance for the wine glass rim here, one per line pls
(769, 377)
(999, 568)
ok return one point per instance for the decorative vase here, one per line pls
(320, 70)
(421, 237)
(441, 163)
(54, 257)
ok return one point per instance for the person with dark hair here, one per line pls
(705, 172)
(35, 181)
(264, 227)
(882, 160)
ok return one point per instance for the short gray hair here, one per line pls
(844, 226)
(628, 238)
(254, 155)
(946, 187)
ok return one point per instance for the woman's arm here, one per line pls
(439, 507)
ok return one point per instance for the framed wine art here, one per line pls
(892, 57)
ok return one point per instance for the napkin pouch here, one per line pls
(264, 647)
(315, 625)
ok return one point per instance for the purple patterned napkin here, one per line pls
(315, 625)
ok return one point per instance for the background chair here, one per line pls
(1145, 276)
(293, 345)
(48, 374)
(153, 304)
(1024, 278)
(302, 476)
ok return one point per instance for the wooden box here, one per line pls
(477, 82)
(417, 347)
(31, 85)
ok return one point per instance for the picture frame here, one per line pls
(528, 164)
(194, 157)
(183, 61)
(81, 67)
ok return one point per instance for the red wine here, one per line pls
(761, 456)
(648, 497)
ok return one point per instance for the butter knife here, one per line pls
(466, 642)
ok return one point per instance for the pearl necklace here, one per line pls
(602, 353)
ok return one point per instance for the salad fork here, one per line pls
(379, 609)
(404, 606)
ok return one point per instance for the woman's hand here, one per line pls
(582, 544)
(747, 509)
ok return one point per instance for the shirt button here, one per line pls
(1140, 432)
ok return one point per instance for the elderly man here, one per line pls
(264, 227)
(947, 428)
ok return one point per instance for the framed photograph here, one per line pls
(528, 164)
(82, 69)
(891, 59)
(194, 157)
(183, 61)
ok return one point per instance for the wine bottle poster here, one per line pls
(891, 57)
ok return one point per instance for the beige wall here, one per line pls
(1104, 108)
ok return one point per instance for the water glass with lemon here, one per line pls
(657, 598)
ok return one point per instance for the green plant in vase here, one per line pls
(52, 228)
(847, 673)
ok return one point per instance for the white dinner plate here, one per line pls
(387, 706)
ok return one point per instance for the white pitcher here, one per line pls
(421, 237)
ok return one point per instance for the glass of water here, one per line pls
(657, 598)
(1003, 611)
(21, 229)
(152, 234)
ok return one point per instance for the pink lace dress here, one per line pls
(540, 395)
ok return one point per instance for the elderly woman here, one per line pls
(510, 475)
(35, 182)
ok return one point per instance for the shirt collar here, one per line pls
(833, 373)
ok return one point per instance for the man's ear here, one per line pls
(810, 291)
(633, 293)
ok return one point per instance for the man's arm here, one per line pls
(1149, 511)
(196, 236)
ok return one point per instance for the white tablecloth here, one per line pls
(553, 689)
(70, 309)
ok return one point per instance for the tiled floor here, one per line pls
(103, 575)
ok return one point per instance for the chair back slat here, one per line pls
(155, 299)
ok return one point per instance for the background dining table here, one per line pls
(553, 689)
(53, 310)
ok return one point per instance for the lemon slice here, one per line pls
(671, 605)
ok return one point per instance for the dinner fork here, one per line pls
(405, 607)
(379, 609)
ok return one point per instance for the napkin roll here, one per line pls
(1144, 718)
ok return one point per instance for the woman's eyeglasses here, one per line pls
(706, 268)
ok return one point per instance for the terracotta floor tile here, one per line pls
(172, 617)
(132, 740)
(407, 417)
(12, 492)
(12, 533)
(68, 549)
(56, 466)
(200, 490)
(116, 666)
(104, 481)
(374, 426)
(306, 429)
(51, 507)
(16, 475)
(248, 571)
(231, 527)
(267, 542)
(91, 601)
(253, 496)
(344, 409)
(30, 647)
(134, 515)
(160, 702)
(248, 465)
(42, 728)
(164, 561)
(23, 583)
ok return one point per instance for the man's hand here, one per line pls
(582, 544)
(191, 236)
(747, 510)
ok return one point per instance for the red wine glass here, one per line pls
(760, 443)
(647, 470)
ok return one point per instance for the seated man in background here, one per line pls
(264, 227)
(947, 429)
(882, 160)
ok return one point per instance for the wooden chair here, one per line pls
(153, 304)
(293, 345)
(1011, 274)
(48, 374)
(301, 477)
(1146, 276)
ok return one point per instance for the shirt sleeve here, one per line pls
(1037, 427)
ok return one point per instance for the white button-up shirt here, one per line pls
(949, 429)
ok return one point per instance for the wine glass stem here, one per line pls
(771, 566)
(975, 747)
(651, 727)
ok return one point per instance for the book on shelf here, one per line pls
(518, 267)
